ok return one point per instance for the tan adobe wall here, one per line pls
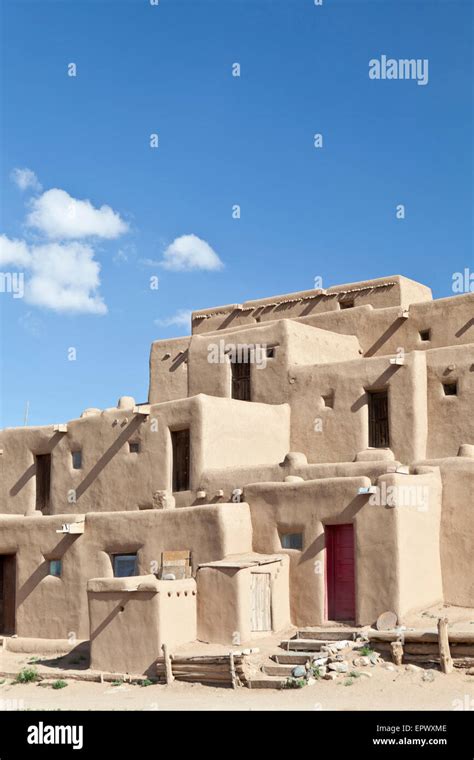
(131, 618)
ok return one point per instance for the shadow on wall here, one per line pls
(31, 470)
(42, 571)
(108, 455)
(391, 330)
(346, 516)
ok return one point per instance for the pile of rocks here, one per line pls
(337, 658)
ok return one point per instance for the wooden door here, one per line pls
(340, 572)
(378, 420)
(261, 600)
(181, 456)
(7, 593)
(241, 381)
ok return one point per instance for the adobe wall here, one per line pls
(379, 293)
(224, 602)
(457, 528)
(131, 618)
(51, 607)
(380, 533)
(112, 478)
(338, 433)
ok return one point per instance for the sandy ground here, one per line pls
(397, 688)
(386, 690)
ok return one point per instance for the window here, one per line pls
(55, 567)
(291, 541)
(329, 400)
(124, 565)
(347, 304)
(450, 389)
(271, 352)
(378, 419)
(425, 334)
(181, 456)
(241, 381)
(43, 482)
(76, 460)
(134, 447)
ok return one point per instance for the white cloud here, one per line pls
(149, 262)
(63, 277)
(182, 318)
(25, 179)
(14, 253)
(190, 252)
(60, 216)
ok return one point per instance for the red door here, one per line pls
(340, 572)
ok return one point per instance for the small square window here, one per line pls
(134, 447)
(77, 460)
(271, 352)
(450, 389)
(425, 334)
(291, 541)
(125, 565)
(347, 304)
(55, 567)
(329, 400)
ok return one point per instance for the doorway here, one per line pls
(261, 602)
(340, 572)
(7, 593)
(241, 380)
(43, 482)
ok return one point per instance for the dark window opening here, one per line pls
(329, 400)
(378, 419)
(76, 460)
(7, 594)
(134, 447)
(347, 304)
(180, 442)
(425, 334)
(241, 381)
(450, 389)
(125, 565)
(271, 352)
(43, 482)
(291, 541)
(55, 567)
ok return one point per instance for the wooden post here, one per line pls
(397, 652)
(168, 667)
(445, 658)
(232, 670)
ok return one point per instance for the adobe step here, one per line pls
(329, 634)
(292, 658)
(278, 670)
(266, 682)
(305, 645)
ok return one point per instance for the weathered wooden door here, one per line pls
(378, 420)
(340, 575)
(181, 456)
(241, 381)
(7, 593)
(261, 602)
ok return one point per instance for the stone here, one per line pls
(412, 668)
(470, 672)
(311, 681)
(339, 667)
(388, 666)
(299, 671)
(322, 670)
(386, 621)
(163, 500)
(428, 675)
(331, 676)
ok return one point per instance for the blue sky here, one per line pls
(223, 140)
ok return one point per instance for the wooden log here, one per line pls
(444, 653)
(168, 666)
(397, 652)
(457, 650)
(232, 671)
(419, 637)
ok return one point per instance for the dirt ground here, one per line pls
(382, 687)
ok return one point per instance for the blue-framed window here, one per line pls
(55, 567)
(125, 565)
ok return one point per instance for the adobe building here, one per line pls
(301, 459)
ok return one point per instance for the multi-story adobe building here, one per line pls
(300, 459)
